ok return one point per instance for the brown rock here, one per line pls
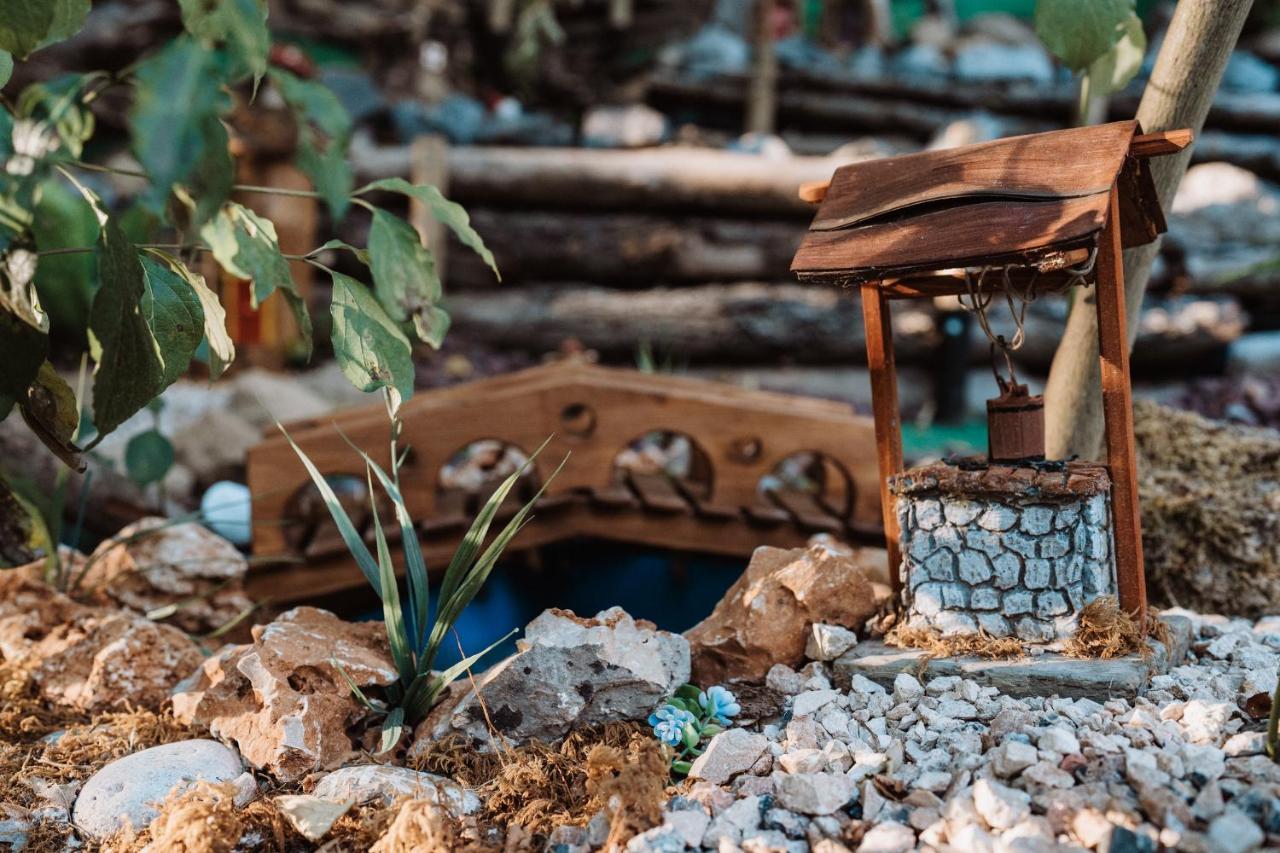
(280, 699)
(149, 566)
(765, 616)
(90, 658)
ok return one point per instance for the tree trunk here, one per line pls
(1192, 59)
(763, 98)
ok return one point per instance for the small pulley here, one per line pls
(1015, 419)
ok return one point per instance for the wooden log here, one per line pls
(675, 178)
(624, 248)
(747, 323)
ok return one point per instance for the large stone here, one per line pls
(764, 617)
(153, 564)
(281, 699)
(90, 658)
(729, 753)
(827, 642)
(1001, 807)
(129, 789)
(569, 671)
(365, 783)
(814, 793)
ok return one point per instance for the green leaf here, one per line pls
(681, 767)
(239, 25)
(1080, 31)
(66, 283)
(404, 277)
(177, 135)
(392, 614)
(370, 348)
(6, 67)
(371, 704)
(350, 536)
(245, 245)
(688, 691)
(68, 18)
(25, 348)
(392, 730)
(691, 735)
(362, 255)
(130, 370)
(174, 314)
(1112, 71)
(23, 532)
(61, 105)
(148, 457)
(50, 410)
(324, 134)
(222, 350)
(450, 213)
(24, 24)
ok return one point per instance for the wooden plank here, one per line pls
(1117, 406)
(884, 397)
(1161, 143)
(429, 165)
(657, 493)
(983, 233)
(1057, 165)
(805, 511)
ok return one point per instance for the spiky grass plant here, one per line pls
(415, 643)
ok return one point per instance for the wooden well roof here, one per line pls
(1040, 199)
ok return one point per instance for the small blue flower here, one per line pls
(720, 704)
(668, 724)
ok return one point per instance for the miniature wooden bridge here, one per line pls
(665, 461)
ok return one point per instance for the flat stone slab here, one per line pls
(1048, 674)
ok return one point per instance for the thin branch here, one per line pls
(244, 188)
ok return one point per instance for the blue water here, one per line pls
(675, 591)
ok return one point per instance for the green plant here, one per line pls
(415, 643)
(689, 719)
(144, 309)
(1101, 40)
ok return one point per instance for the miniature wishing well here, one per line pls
(1010, 544)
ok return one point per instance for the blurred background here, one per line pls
(633, 165)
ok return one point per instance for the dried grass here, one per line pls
(203, 819)
(1105, 631)
(935, 645)
(421, 825)
(537, 787)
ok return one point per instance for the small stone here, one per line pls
(1001, 807)
(1033, 630)
(975, 568)
(313, 817)
(803, 761)
(1245, 743)
(1205, 722)
(1048, 774)
(928, 513)
(1142, 770)
(1017, 603)
(907, 688)
(961, 512)
(941, 566)
(1012, 757)
(952, 624)
(955, 596)
(1008, 569)
(384, 783)
(984, 598)
(997, 518)
(784, 680)
(1038, 573)
(805, 704)
(1058, 739)
(1037, 520)
(948, 537)
(1232, 832)
(928, 599)
(814, 793)
(1090, 827)
(983, 540)
(994, 624)
(130, 788)
(1054, 545)
(729, 753)
(888, 837)
(690, 824)
(1050, 604)
(828, 642)
(1095, 510)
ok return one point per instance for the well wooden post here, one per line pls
(1117, 406)
(884, 403)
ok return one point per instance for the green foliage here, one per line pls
(1100, 39)
(239, 25)
(324, 131)
(148, 457)
(144, 312)
(178, 135)
(415, 644)
(371, 350)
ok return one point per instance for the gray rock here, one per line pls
(1050, 604)
(659, 839)
(129, 788)
(928, 599)
(1033, 630)
(1012, 757)
(1020, 543)
(888, 837)
(814, 793)
(729, 753)
(740, 817)
(928, 513)
(691, 824)
(998, 518)
(961, 512)
(1037, 520)
(941, 566)
(951, 623)
(1233, 832)
(364, 783)
(1017, 603)
(1056, 544)
(827, 642)
(570, 671)
(984, 598)
(984, 541)
(1001, 807)
(955, 596)
(994, 624)
(1038, 574)
(974, 567)
(1008, 569)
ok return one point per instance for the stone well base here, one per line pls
(1014, 551)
